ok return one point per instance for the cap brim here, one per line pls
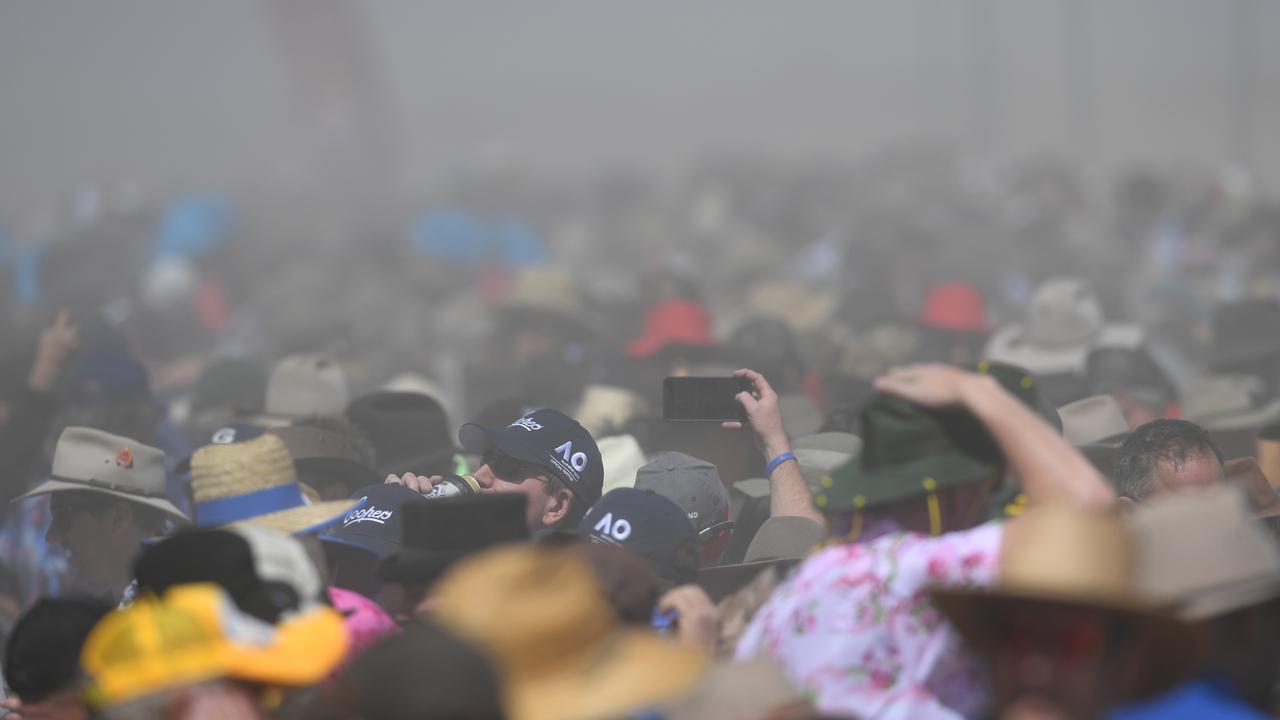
(303, 651)
(379, 548)
(55, 486)
(477, 439)
(609, 686)
(302, 519)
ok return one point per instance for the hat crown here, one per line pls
(114, 462)
(537, 610)
(1063, 311)
(222, 471)
(1072, 554)
(303, 385)
(1092, 419)
(897, 431)
(1203, 551)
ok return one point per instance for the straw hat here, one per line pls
(1075, 559)
(1202, 552)
(91, 460)
(804, 309)
(561, 653)
(254, 482)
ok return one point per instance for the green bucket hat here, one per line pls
(1022, 384)
(909, 451)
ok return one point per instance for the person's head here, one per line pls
(42, 659)
(409, 430)
(101, 535)
(367, 535)
(627, 581)
(330, 454)
(422, 673)
(650, 525)
(1166, 456)
(546, 456)
(694, 485)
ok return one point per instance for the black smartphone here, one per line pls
(703, 399)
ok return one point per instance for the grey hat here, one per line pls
(691, 483)
(784, 538)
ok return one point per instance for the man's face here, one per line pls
(1198, 472)
(62, 705)
(503, 474)
(88, 528)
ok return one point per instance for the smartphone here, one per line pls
(703, 399)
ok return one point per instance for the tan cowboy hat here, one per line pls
(89, 460)
(1267, 450)
(1230, 402)
(254, 483)
(305, 385)
(1097, 419)
(622, 457)
(1264, 500)
(544, 288)
(1204, 554)
(540, 615)
(1074, 559)
(605, 409)
(804, 309)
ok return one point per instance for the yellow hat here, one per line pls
(195, 633)
(562, 656)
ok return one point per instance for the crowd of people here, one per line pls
(1008, 447)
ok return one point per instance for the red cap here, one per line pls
(680, 322)
(954, 306)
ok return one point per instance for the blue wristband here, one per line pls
(774, 463)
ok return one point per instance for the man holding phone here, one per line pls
(546, 455)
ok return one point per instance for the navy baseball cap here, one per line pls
(649, 525)
(374, 524)
(233, 433)
(550, 439)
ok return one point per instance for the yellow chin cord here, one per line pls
(935, 512)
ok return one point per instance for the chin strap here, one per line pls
(935, 512)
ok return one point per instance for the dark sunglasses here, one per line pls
(504, 467)
(712, 530)
(63, 508)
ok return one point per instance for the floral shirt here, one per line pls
(856, 633)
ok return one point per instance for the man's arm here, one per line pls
(1048, 467)
(788, 494)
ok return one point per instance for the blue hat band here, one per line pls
(224, 511)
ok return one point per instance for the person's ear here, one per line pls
(557, 507)
(1126, 504)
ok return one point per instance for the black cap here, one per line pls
(550, 439)
(441, 531)
(43, 652)
(375, 524)
(649, 525)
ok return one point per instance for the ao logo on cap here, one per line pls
(619, 530)
(577, 459)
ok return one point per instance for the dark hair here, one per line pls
(1161, 441)
(43, 654)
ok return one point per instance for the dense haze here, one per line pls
(242, 93)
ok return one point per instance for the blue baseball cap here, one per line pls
(649, 525)
(550, 439)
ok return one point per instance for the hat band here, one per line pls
(104, 485)
(224, 511)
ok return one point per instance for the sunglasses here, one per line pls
(506, 468)
(63, 509)
(711, 531)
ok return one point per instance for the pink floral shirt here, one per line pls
(856, 633)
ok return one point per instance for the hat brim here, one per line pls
(721, 581)
(414, 462)
(608, 685)
(302, 519)
(882, 486)
(379, 548)
(354, 474)
(303, 651)
(1247, 420)
(977, 614)
(49, 487)
(477, 439)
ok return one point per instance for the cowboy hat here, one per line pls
(94, 461)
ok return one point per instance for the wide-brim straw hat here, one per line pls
(254, 483)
